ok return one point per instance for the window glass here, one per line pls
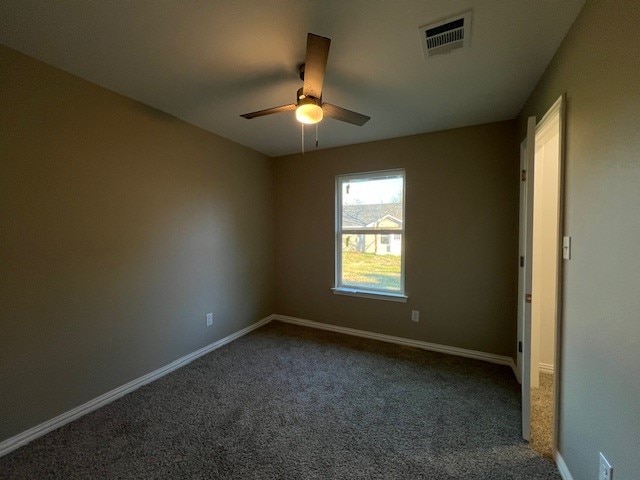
(369, 245)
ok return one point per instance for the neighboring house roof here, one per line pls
(367, 215)
(388, 221)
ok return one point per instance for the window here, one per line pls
(370, 235)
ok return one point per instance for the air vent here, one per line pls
(446, 36)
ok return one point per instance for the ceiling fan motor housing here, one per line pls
(303, 99)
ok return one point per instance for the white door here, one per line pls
(525, 278)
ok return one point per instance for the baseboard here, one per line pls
(562, 467)
(39, 430)
(27, 436)
(434, 347)
(545, 368)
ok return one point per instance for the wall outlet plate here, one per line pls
(606, 470)
(415, 316)
(209, 319)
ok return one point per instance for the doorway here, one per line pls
(540, 278)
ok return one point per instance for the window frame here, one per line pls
(358, 291)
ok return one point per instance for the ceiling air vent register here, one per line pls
(447, 35)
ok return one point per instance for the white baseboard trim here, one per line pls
(39, 430)
(434, 347)
(546, 368)
(31, 434)
(562, 467)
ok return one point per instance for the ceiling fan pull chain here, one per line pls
(302, 127)
(316, 135)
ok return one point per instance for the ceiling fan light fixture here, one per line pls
(309, 107)
(309, 113)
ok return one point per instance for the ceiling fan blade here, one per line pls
(315, 65)
(269, 111)
(344, 115)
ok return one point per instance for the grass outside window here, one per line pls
(371, 270)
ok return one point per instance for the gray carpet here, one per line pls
(288, 402)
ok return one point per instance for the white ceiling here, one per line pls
(207, 62)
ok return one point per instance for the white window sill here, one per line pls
(352, 292)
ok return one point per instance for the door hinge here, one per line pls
(523, 175)
(527, 298)
(522, 261)
(520, 347)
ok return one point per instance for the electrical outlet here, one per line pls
(606, 470)
(415, 316)
(209, 319)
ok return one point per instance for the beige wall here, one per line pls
(598, 66)
(461, 231)
(120, 228)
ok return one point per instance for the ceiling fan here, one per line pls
(309, 107)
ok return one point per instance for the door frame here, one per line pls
(527, 162)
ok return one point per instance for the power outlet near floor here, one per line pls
(415, 315)
(606, 470)
(209, 319)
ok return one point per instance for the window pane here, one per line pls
(371, 261)
(372, 203)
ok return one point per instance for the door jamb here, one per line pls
(558, 107)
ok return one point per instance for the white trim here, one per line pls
(546, 368)
(552, 114)
(555, 117)
(42, 429)
(562, 467)
(435, 347)
(352, 292)
(557, 366)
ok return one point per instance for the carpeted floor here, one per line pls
(542, 416)
(288, 402)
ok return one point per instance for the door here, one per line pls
(525, 278)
